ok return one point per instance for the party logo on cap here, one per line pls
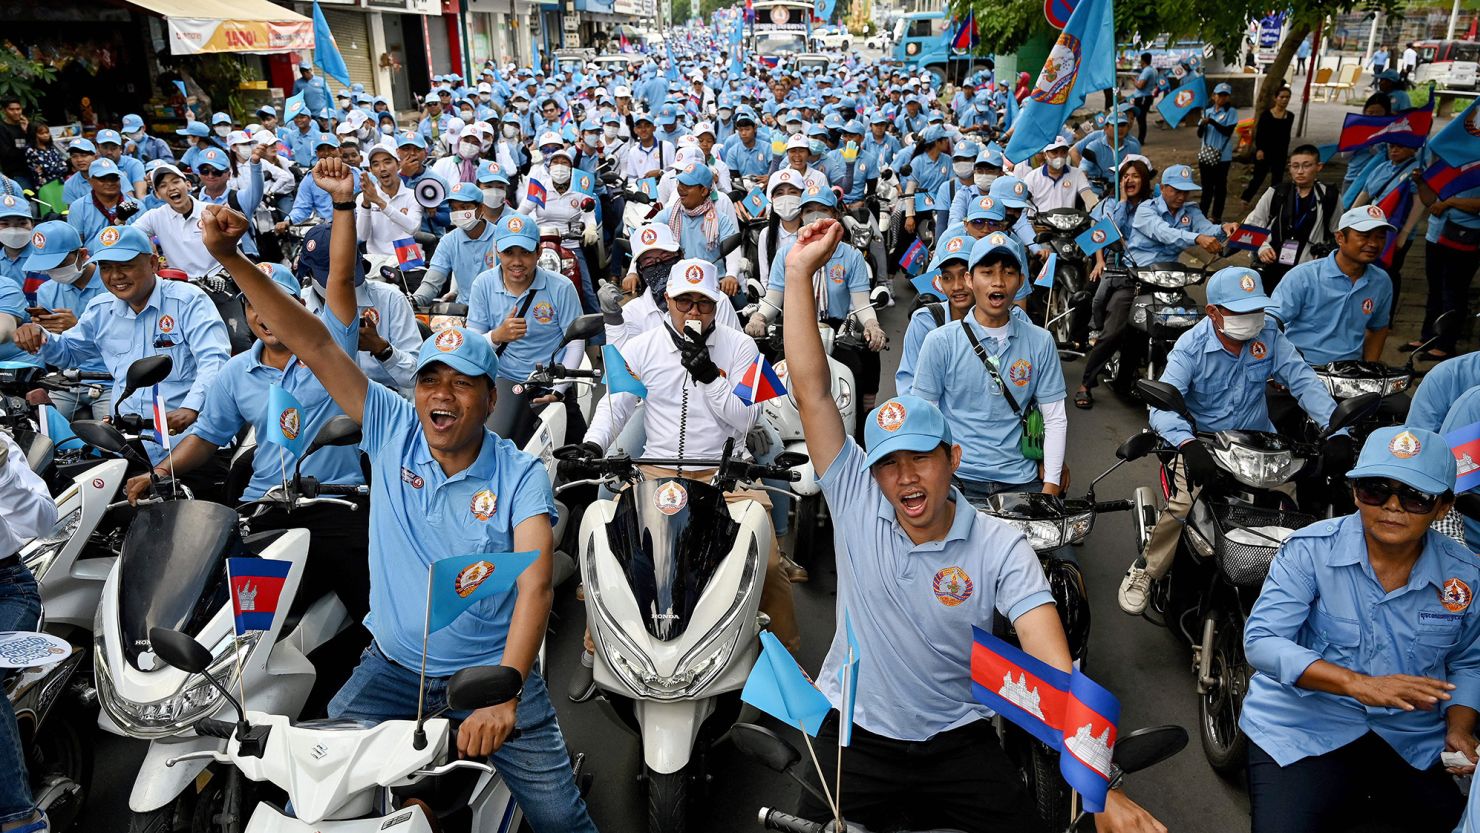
(1375, 213)
(448, 340)
(1404, 446)
(997, 239)
(1246, 283)
(952, 586)
(694, 274)
(1258, 350)
(649, 237)
(1456, 595)
(986, 203)
(953, 245)
(38, 240)
(543, 312)
(813, 189)
(1019, 188)
(8, 200)
(1367, 305)
(670, 498)
(265, 268)
(891, 416)
(836, 272)
(110, 236)
(516, 225)
(1021, 372)
(689, 168)
(485, 503)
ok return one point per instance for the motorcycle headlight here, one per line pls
(843, 396)
(1166, 278)
(40, 553)
(549, 261)
(1062, 222)
(1258, 469)
(197, 698)
(1046, 535)
(1345, 387)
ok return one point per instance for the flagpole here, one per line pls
(419, 739)
(236, 650)
(848, 673)
(283, 467)
(822, 779)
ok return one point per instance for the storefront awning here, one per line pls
(257, 26)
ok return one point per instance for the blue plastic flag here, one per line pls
(1045, 275)
(1459, 142)
(1081, 62)
(924, 202)
(256, 585)
(755, 202)
(914, 258)
(929, 284)
(325, 51)
(672, 72)
(779, 687)
(1465, 443)
(55, 427)
(824, 8)
(285, 420)
(1012, 113)
(180, 85)
(457, 583)
(619, 375)
(1192, 95)
(1098, 236)
(583, 182)
(535, 60)
(848, 679)
(649, 186)
(1327, 152)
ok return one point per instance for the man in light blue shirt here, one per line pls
(110, 146)
(1366, 645)
(302, 136)
(15, 238)
(105, 204)
(81, 154)
(1098, 154)
(145, 316)
(467, 251)
(146, 148)
(1165, 226)
(314, 89)
(1339, 307)
(951, 258)
(73, 283)
(1146, 83)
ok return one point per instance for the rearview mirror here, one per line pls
(1138, 445)
(639, 197)
(1355, 409)
(791, 459)
(730, 244)
(1447, 325)
(583, 327)
(482, 686)
(340, 430)
(179, 650)
(765, 746)
(1149, 746)
(448, 308)
(1162, 396)
(100, 435)
(145, 372)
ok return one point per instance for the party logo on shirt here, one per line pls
(1367, 305)
(469, 577)
(490, 258)
(110, 235)
(1186, 220)
(1404, 446)
(448, 340)
(694, 274)
(952, 586)
(891, 416)
(38, 240)
(288, 422)
(166, 324)
(484, 504)
(543, 312)
(1021, 372)
(1456, 595)
(670, 497)
(1258, 350)
(411, 478)
(836, 272)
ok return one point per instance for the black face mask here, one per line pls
(655, 277)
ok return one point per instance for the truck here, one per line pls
(780, 28)
(919, 44)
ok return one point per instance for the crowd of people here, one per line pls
(1365, 673)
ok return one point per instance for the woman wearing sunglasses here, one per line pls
(1366, 644)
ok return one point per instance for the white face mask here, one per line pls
(793, 129)
(67, 273)
(725, 113)
(983, 181)
(1057, 163)
(493, 197)
(521, 106)
(1243, 327)
(610, 131)
(136, 135)
(465, 219)
(813, 216)
(387, 129)
(787, 207)
(467, 150)
(243, 153)
(962, 169)
(560, 174)
(222, 130)
(15, 238)
(511, 132)
(592, 139)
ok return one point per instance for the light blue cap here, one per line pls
(132, 123)
(1364, 218)
(904, 423)
(820, 196)
(933, 133)
(490, 173)
(1180, 178)
(1224, 88)
(1237, 289)
(954, 244)
(985, 208)
(412, 139)
(82, 146)
(999, 241)
(12, 206)
(109, 137)
(103, 166)
(282, 276)
(51, 242)
(696, 174)
(119, 243)
(267, 110)
(220, 118)
(198, 129)
(462, 350)
(1415, 457)
(853, 126)
(515, 229)
(466, 192)
(1011, 191)
(966, 149)
(216, 158)
(327, 139)
(990, 156)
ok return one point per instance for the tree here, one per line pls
(680, 11)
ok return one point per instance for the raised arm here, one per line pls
(301, 330)
(806, 363)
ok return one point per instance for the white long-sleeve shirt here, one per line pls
(26, 507)
(560, 209)
(642, 314)
(713, 414)
(395, 320)
(379, 228)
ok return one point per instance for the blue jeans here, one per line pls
(535, 765)
(20, 610)
(982, 489)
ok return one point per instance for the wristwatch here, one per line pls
(385, 354)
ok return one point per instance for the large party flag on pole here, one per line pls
(965, 39)
(325, 51)
(619, 375)
(759, 382)
(1408, 128)
(672, 72)
(1081, 62)
(1459, 142)
(285, 421)
(256, 585)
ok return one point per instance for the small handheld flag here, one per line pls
(1447, 180)
(256, 585)
(1192, 95)
(778, 687)
(914, 258)
(1248, 237)
(536, 193)
(1395, 206)
(408, 253)
(459, 582)
(756, 202)
(929, 284)
(924, 202)
(161, 420)
(1045, 275)
(1408, 128)
(848, 677)
(1098, 236)
(648, 186)
(759, 382)
(618, 374)
(1465, 443)
(285, 421)
(583, 182)
(292, 107)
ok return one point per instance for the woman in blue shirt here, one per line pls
(1112, 303)
(1216, 130)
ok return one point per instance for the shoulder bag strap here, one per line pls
(981, 353)
(523, 310)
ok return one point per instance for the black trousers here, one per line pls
(1143, 116)
(960, 780)
(1112, 336)
(1215, 189)
(1364, 785)
(1449, 272)
(1273, 166)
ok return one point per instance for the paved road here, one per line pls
(1139, 662)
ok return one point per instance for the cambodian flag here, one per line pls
(749, 11)
(1446, 180)
(31, 285)
(1248, 237)
(1408, 128)
(256, 586)
(965, 38)
(759, 382)
(536, 193)
(1465, 443)
(161, 421)
(408, 253)
(1395, 205)
(914, 258)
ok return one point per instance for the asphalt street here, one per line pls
(1143, 664)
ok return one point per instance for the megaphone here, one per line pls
(430, 192)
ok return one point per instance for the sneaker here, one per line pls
(1135, 589)
(41, 824)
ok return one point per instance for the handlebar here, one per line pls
(777, 820)
(1113, 506)
(623, 466)
(210, 727)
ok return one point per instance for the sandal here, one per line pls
(1083, 399)
(1410, 347)
(1433, 355)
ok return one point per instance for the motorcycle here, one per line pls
(557, 253)
(54, 709)
(1134, 752)
(673, 577)
(401, 774)
(171, 572)
(31, 428)
(1065, 307)
(1161, 311)
(1233, 530)
(863, 235)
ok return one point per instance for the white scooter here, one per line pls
(347, 776)
(170, 573)
(673, 577)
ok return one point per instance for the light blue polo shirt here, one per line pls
(691, 235)
(464, 257)
(1225, 392)
(14, 267)
(912, 606)
(1326, 314)
(241, 394)
(1441, 389)
(555, 305)
(1322, 600)
(950, 374)
(418, 515)
(846, 272)
(922, 324)
(749, 161)
(13, 302)
(1159, 234)
(55, 295)
(1212, 137)
(88, 220)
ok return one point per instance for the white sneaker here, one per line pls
(1135, 589)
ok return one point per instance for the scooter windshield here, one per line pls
(670, 535)
(172, 570)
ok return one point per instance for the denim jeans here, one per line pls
(982, 489)
(79, 403)
(536, 765)
(20, 610)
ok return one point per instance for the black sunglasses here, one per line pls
(1375, 491)
(684, 303)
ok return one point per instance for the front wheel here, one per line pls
(1050, 795)
(171, 818)
(668, 801)
(1224, 743)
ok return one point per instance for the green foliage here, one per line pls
(22, 77)
(220, 75)
(681, 10)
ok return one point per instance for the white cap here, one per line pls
(695, 276)
(687, 156)
(356, 118)
(687, 140)
(265, 137)
(798, 140)
(346, 129)
(485, 128)
(653, 236)
(786, 176)
(238, 137)
(623, 92)
(549, 137)
(1057, 143)
(380, 147)
(701, 128)
(485, 87)
(455, 127)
